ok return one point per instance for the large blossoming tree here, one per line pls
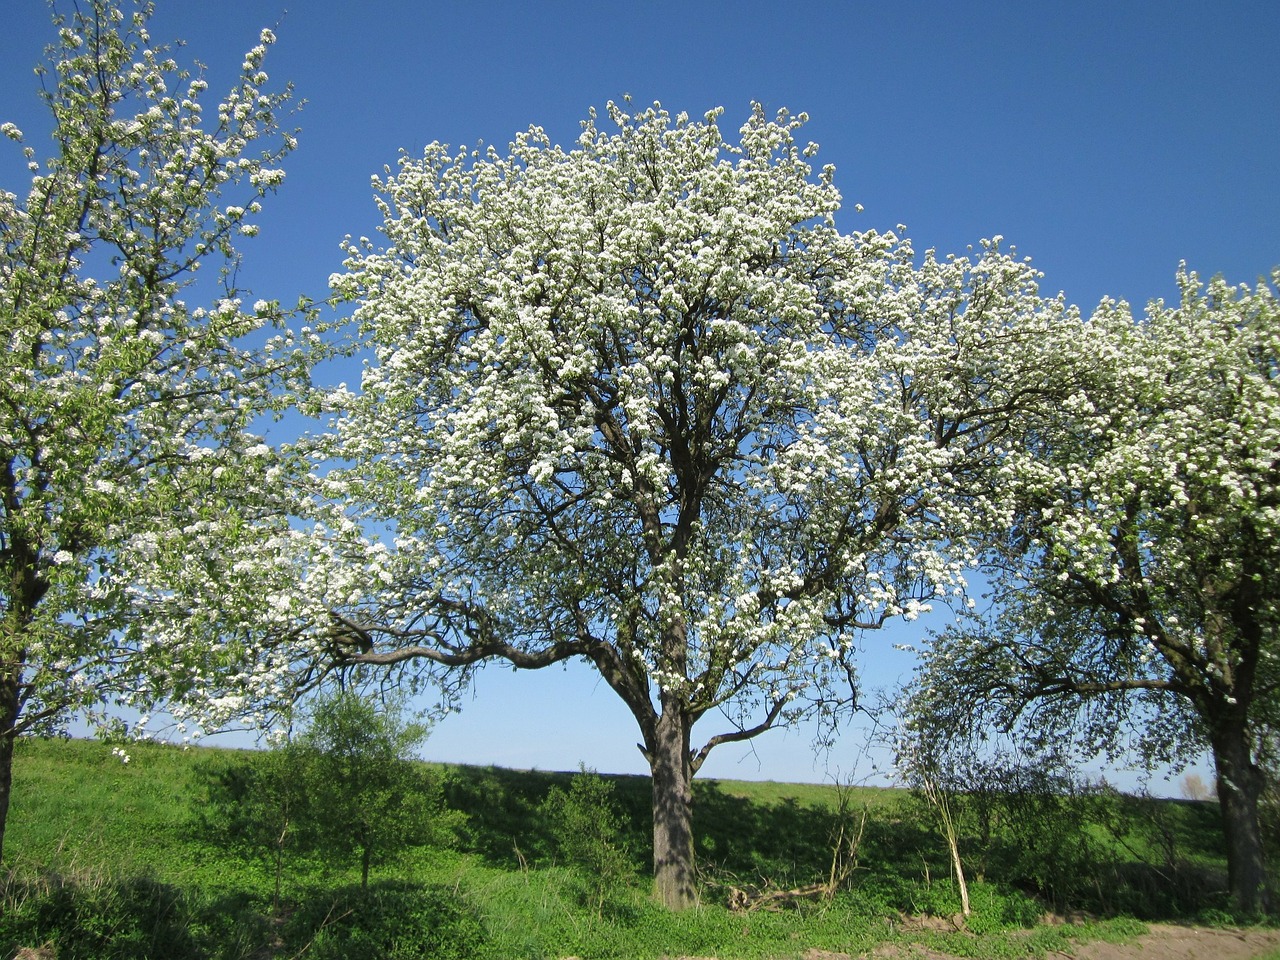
(1139, 592)
(640, 403)
(124, 410)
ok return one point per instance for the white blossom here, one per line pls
(639, 400)
(124, 407)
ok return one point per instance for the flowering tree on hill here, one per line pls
(640, 403)
(123, 410)
(1141, 583)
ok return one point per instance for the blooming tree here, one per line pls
(123, 409)
(1141, 582)
(640, 403)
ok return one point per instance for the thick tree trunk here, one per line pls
(1240, 783)
(8, 721)
(672, 774)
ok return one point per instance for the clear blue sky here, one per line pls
(1108, 141)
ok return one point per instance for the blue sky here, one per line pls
(1106, 141)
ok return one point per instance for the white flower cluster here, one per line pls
(643, 394)
(134, 481)
(1143, 577)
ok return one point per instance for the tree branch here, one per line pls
(736, 736)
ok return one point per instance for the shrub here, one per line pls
(995, 909)
(251, 806)
(98, 917)
(347, 785)
(590, 836)
(389, 920)
(364, 793)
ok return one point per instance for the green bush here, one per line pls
(993, 909)
(251, 807)
(390, 920)
(1033, 823)
(364, 795)
(94, 917)
(346, 786)
(590, 837)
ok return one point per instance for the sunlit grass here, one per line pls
(82, 818)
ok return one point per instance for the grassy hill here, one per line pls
(109, 859)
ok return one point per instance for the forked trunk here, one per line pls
(1240, 783)
(672, 774)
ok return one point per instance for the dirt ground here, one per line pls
(1163, 942)
(1187, 943)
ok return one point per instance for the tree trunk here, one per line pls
(672, 775)
(9, 685)
(1240, 783)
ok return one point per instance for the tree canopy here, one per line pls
(641, 403)
(1137, 598)
(125, 410)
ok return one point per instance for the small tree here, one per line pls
(364, 794)
(123, 408)
(258, 804)
(589, 834)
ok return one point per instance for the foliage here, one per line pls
(345, 784)
(362, 791)
(110, 911)
(589, 835)
(125, 408)
(1138, 590)
(101, 918)
(129, 477)
(388, 921)
(996, 909)
(1033, 823)
(640, 402)
(256, 805)
(1047, 817)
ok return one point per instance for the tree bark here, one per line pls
(1240, 783)
(9, 692)
(672, 776)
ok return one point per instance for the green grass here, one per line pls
(118, 849)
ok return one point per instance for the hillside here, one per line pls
(112, 859)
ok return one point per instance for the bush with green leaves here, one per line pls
(1048, 841)
(387, 921)
(347, 784)
(364, 792)
(97, 916)
(589, 836)
(253, 805)
(1021, 819)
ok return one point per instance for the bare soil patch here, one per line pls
(1167, 942)
(1161, 942)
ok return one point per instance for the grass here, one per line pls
(107, 860)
